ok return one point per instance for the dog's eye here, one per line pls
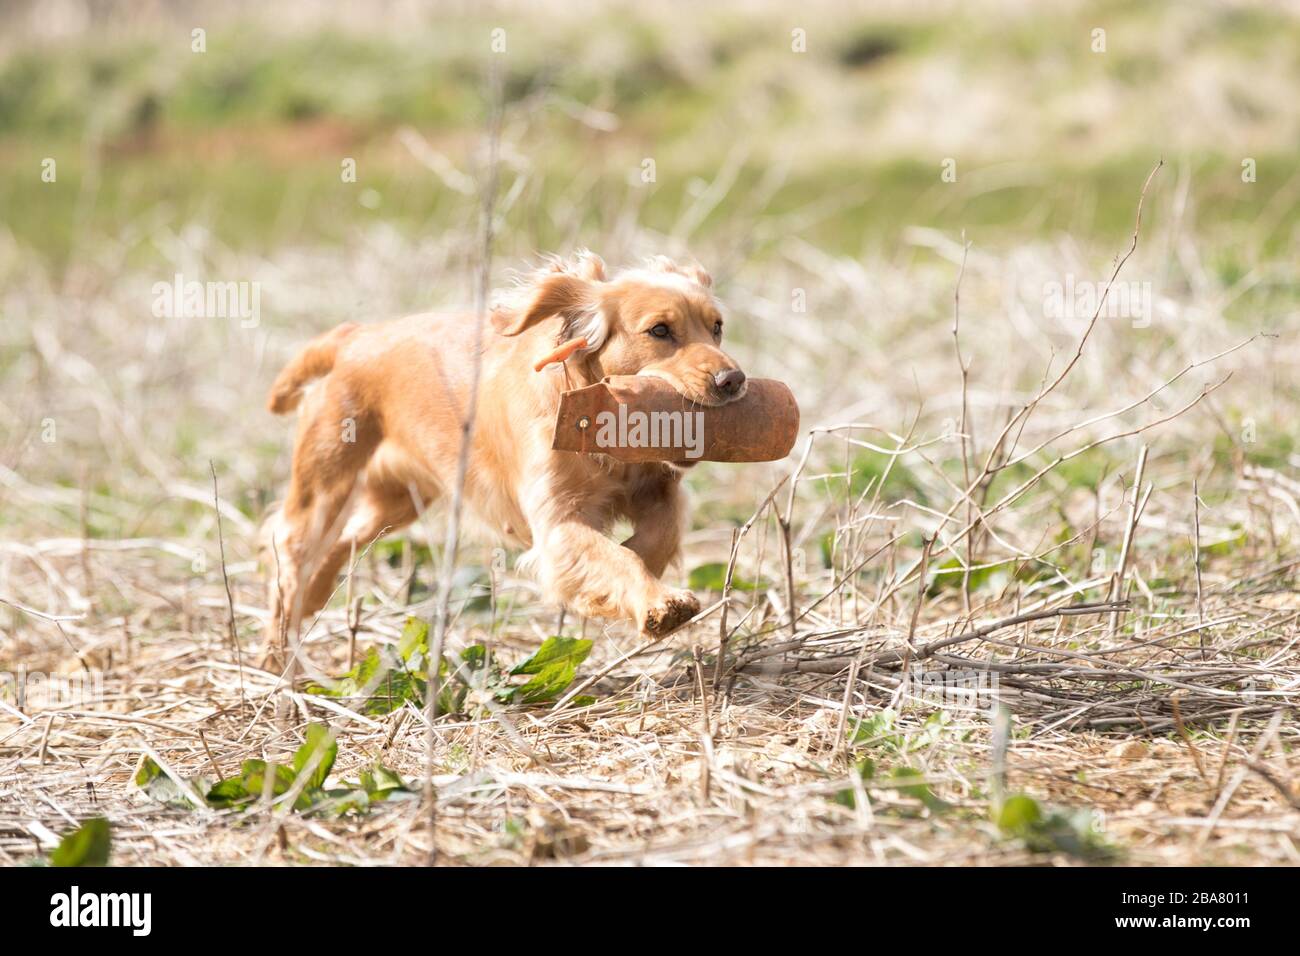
(717, 330)
(661, 331)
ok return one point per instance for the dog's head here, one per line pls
(660, 320)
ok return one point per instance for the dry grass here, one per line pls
(1163, 719)
(655, 772)
(1095, 519)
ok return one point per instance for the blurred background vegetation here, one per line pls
(844, 143)
(797, 151)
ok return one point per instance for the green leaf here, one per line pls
(361, 675)
(376, 785)
(875, 731)
(228, 793)
(379, 782)
(388, 692)
(713, 577)
(154, 782)
(149, 772)
(338, 802)
(350, 683)
(451, 698)
(320, 741)
(473, 658)
(473, 667)
(918, 791)
(930, 733)
(555, 650)
(1019, 814)
(393, 691)
(88, 845)
(1072, 832)
(554, 666)
(866, 768)
(254, 773)
(414, 639)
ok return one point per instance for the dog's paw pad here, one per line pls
(672, 613)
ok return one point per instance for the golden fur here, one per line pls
(382, 428)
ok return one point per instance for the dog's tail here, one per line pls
(311, 363)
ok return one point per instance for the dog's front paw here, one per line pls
(271, 659)
(676, 608)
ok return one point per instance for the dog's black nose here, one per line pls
(729, 380)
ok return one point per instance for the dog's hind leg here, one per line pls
(379, 508)
(330, 453)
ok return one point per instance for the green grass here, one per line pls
(260, 202)
(247, 137)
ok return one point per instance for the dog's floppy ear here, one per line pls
(557, 294)
(563, 289)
